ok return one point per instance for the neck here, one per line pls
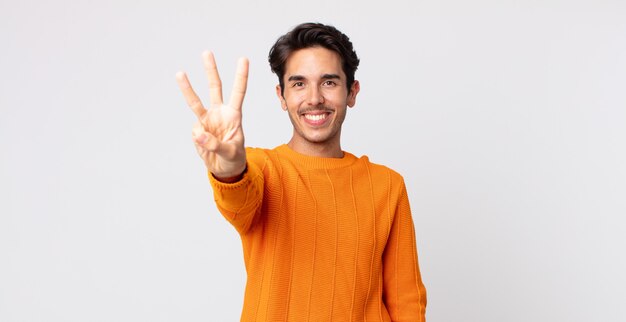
(322, 149)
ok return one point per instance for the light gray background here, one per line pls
(507, 119)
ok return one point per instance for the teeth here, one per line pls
(315, 117)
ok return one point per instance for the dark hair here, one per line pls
(308, 35)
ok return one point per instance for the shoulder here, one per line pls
(263, 158)
(257, 154)
(382, 172)
(255, 150)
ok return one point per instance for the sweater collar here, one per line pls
(311, 162)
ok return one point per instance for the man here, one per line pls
(326, 236)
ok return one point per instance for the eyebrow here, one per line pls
(293, 78)
(330, 76)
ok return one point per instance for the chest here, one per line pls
(342, 210)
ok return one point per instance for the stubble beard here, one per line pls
(333, 130)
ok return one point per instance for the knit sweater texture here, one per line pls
(324, 239)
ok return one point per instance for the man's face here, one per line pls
(316, 95)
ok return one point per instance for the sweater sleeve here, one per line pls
(240, 202)
(404, 293)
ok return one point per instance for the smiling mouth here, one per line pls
(315, 117)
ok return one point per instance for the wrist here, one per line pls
(231, 178)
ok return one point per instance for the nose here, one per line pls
(315, 96)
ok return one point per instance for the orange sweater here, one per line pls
(324, 239)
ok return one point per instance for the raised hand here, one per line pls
(218, 135)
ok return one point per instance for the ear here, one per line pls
(279, 94)
(354, 90)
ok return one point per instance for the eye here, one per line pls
(297, 84)
(329, 83)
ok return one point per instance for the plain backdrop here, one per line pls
(506, 118)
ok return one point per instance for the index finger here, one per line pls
(190, 96)
(241, 84)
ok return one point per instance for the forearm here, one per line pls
(240, 200)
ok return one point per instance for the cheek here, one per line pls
(293, 100)
(337, 97)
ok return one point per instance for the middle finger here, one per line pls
(215, 83)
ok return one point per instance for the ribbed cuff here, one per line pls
(219, 185)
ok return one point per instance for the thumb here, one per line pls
(206, 141)
(201, 139)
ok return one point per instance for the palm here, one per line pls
(224, 124)
(218, 134)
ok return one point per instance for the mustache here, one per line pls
(320, 108)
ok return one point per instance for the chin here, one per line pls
(319, 139)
